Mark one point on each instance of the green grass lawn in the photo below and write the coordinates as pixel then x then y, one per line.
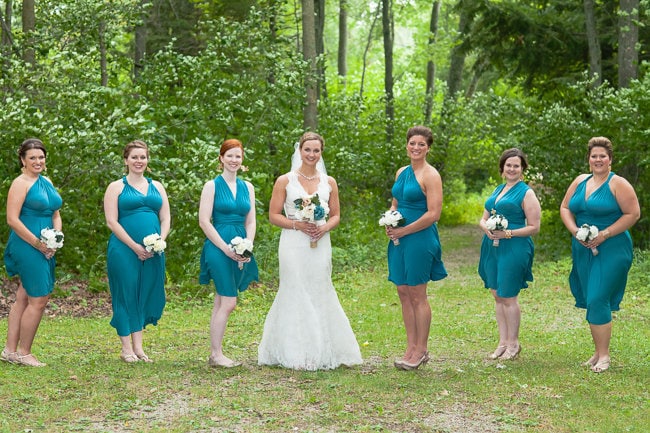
pixel 86 387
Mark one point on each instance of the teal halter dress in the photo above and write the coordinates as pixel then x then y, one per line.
pixel 35 271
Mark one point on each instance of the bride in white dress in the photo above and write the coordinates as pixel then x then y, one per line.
pixel 306 328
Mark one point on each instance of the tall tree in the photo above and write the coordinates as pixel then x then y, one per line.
pixel 367 49
pixel 7 37
pixel 431 64
pixel 310 111
pixel 457 55
pixel 140 37
pixel 595 55
pixel 388 32
pixel 319 9
pixel 103 55
pixel 628 37
pixel 29 25
pixel 342 54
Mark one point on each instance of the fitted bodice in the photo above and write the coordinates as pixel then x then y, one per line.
pixel 295 191
pixel 509 204
pixel 600 208
pixel 228 209
pixel 42 199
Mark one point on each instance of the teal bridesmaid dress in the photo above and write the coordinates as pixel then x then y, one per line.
pixel 228 217
pixel 418 257
pixel 598 281
pixel 508 267
pixel 35 271
pixel 137 287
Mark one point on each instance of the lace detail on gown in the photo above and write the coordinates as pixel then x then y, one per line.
pixel 306 327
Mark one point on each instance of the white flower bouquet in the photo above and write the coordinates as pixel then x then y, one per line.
pixel 496 222
pixel 242 247
pixel 52 238
pixel 587 233
pixel 392 218
pixel 154 243
pixel 310 209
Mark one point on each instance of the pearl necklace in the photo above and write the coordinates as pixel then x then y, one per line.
pixel 307 177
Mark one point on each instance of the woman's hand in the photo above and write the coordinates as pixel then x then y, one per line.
pixel 395 233
pixel 142 253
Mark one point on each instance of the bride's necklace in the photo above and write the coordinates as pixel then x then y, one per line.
pixel 307 177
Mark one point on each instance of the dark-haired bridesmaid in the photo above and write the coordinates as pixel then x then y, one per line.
pixel 32 205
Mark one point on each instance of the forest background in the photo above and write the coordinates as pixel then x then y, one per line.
pixel 88 76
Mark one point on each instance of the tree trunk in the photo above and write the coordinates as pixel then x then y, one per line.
pixel 457 57
pixel 431 64
pixel 388 32
pixel 367 49
pixel 628 37
pixel 310 112
pixel 140 37
pixel 29 25
pixel 7 37
pixel 342 58
pixel 321 88
pixel 595 55
pixel 102 53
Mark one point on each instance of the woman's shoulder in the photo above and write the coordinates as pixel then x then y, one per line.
pixel 283 179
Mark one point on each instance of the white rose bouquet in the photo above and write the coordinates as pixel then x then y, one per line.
pixel 154 243
pixel 310 209
pixel 242 247
pixel 392 218
pixel 496 222
pixel 52 238
pixel 587 233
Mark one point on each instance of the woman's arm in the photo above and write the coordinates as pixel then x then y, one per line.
pixel 568 219
pixel 164 214
pixel 629 204
pixel 276 205
pixel 205 218
pixel 15 200
pixel 251 221
pixel 111 214
pixel 533 212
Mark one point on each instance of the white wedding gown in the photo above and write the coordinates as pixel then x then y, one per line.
pixel 306 327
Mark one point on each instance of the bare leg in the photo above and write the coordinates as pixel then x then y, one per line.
pixel 512 314
pixel 422 309
pixel 14 319
pixel 408 316
pixel 29 322
pixel 502 326
pixel 223 306
pixel 127 353
pixel 601 334
pixel 136 340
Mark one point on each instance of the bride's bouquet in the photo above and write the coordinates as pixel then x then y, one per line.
pixel 52 238
pixel 310 209
pixel 154 243
pixel 242 247
pixel 587 233
pixel 392 218
pixel 496 222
